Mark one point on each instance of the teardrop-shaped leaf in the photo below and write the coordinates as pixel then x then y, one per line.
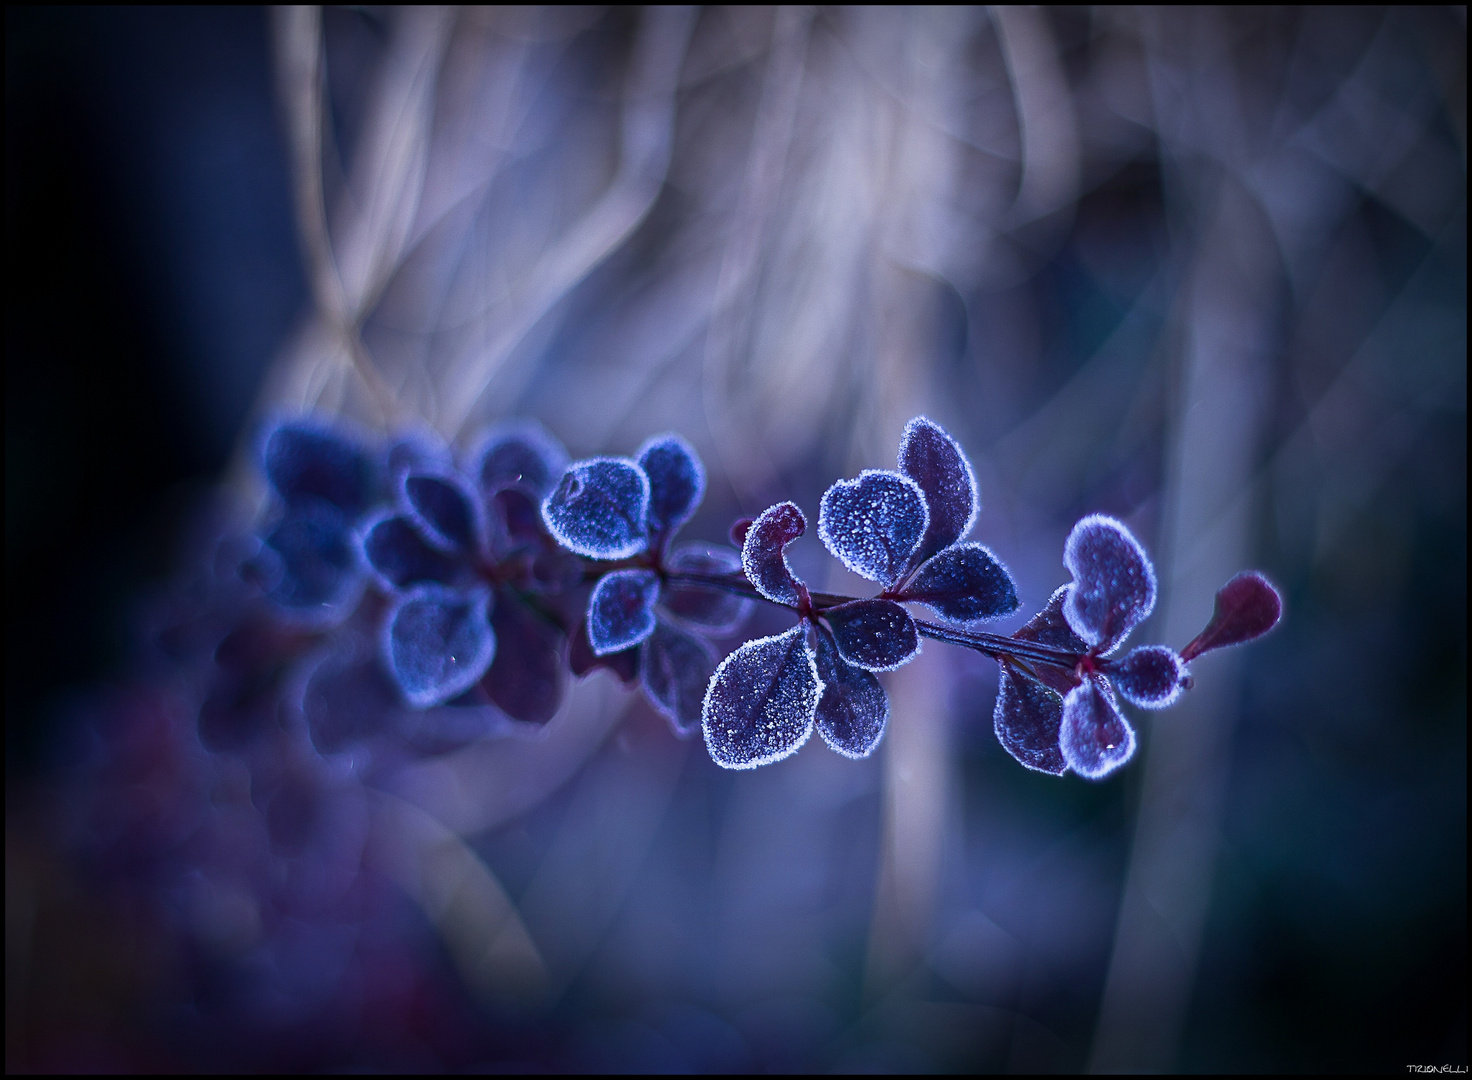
pixel 621 610
pixel 873 524
pixel 1247 607
pixel 878 635
pixel 525 679
pixel 442 509
pixel 307 460
pixel 1027 719
pixel 853 710
pixel 964 582
pixel 438 643
pixel 937 463
pixel 675 668
pixel 521 454
pixel 676 481
pixel 760 703
pixel 316 575
pixel 1113 581
pixel 401 558
pixel 600 508
pixel 581 659
pixel 763 555
pixel 1095 738
pixel 714 611
pixel 1150 676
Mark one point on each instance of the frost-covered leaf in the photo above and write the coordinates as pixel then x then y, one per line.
pixel 1246 608
pixel 1095 738
pixel 581 659
pixel 525 679
pixel 438 642
pixel 937 463
pixel 1113 581
pixel 442 509
pixel 676 668
pixel 304 460
pixel 714 611
pixel 676 481
pixel 520 453
pixel 401 557
pixel 964 582
pixel 1150 676
pixel 760 703
pixel 621 610
pixel 763 555
pixel 1049 627
pixel 600 508
pixel 1027 719
pixel 872 524
pixel 853 709
pixel 317 576
pixel 875 634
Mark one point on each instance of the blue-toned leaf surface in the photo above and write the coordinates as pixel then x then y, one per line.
pixel 525 679
pixel 515 521
pixel 763 557
pixel 714 611
pixel 875 634
pixel 1095 738
pixel 621 610
pixel 581 659
pixel 1113 581
pixel 348 701
pixel 442 509
pixel 520 453
pixel 760 703
pixel 418 451
pixel 246 684
pixel 600 508
pixel 1150 676
pixel 318 576
pixel 872 524
pixel 853 709
pixel 1246 608
pixel 937 463
pixel 402 558
pixel 965 583
pixel 1027 719
pixel 1049 627
pixel 438 643
pixel 306 461
pixel 676 481
pixel 676 668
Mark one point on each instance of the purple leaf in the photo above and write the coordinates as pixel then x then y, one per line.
pixel 875 634
pixel 738 531
pixel 438 643
pixel 1027 719
pixel 401 557
pixel 936 462
pixel 1150 676
pixel 1113 581
pixel 714 611
pixel 676 481
pixel 760 703
pixel 515 521
pixel 676 668
pixel 303 460
pixel 763 555
pixel 525 680
pixel 1247 607
pixel 853 709
pixel 348 700
pixel 872 524
pixel 581 658
pixel 964 582
pixel 1049 627
pixel 621 610
pixel 418 451
pixel 442 509
pixel 600 508
pixel 519 454
pixel 1095 738
pixel 317 575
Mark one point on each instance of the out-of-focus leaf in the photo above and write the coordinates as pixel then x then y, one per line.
pixel 937 463
pixel 763 555
pixel 873 523
pixel 520 453
pixel 438 642
pixel 713 610
pixel 525 679
pixel 402 558
pixel 875 634
pixel 318 577
pixel 515 521
pixel 1094 737
pixel 1150 676
pixel 1246 608
pixel 1113 581
pixel 965 583
pixel 1027 718
pixel 676 481
pixel 600 508
pixel 581 659
pixel 442 509
pixel 853 709
pixel 676 668
pixel 621 610
pixel 303 460
pixel 761 700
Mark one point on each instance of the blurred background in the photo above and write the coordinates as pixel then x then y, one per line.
pixel 1204 270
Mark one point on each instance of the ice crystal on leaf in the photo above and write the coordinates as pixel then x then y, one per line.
pixel 764 552
pixel 761 701
pixel 873 524
pixel 676 482
pixel 877 635
pixel 1113 581
pixel 621 610
pixel 853 709
pixel 937 464
pixel 439 642
pixel 1095 738
pixel 600 508
pixel 964 583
